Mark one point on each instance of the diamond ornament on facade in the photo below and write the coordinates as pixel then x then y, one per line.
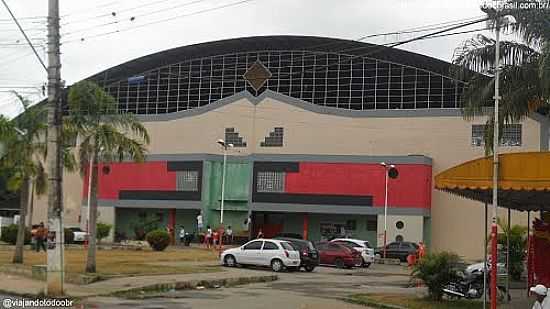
pixel 257 75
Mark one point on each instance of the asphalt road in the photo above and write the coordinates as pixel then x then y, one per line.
pixel 321 289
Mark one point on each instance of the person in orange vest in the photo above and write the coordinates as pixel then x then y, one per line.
pixel 421 250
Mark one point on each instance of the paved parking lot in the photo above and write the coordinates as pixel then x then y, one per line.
pixel 321 289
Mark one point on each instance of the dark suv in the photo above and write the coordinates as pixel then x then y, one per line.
pixel 398 250
pixel 309 256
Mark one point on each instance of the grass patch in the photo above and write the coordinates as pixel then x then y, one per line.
pixel 125 262
pixel 393 301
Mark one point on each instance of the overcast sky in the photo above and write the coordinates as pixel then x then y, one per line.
pixel 347 19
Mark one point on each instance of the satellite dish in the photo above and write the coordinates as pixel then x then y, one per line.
pixel 393 173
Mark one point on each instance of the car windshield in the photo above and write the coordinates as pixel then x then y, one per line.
pixel 287 246
pixel 367 244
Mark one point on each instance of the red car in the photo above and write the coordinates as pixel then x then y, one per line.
pixel 338 255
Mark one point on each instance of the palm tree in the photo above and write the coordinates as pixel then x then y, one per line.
pixel 23 142
pixel 525 67
pixel 104 134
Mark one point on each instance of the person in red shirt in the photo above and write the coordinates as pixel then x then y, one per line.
pixel 421 250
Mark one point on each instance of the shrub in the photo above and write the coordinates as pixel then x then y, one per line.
pixel 158 239
pixel 69 236
pixel 518 244
pixel 9 234
pixel 436 270
pixel 103 230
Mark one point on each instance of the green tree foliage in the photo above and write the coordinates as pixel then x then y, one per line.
pixel 518 244
pixel 436 270
pixel 525 68
pixel 9 234
pixel 103 230
pixel 158 239
pixel 105 135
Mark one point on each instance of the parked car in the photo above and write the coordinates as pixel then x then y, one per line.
pixel 274 253
pixel 338 255
pixel 79 234
pixel 398 250
pixel 309 256
pixel 289 235
pixel 363 246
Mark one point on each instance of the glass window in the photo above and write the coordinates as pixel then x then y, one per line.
pixel 393 245
pixel 334 247
pixel 367 244
pixel 287 246
pixel 399 225
pixel 511 135
pixel 267 181
pixel 268 245
pixel 255 245
pixel 188 180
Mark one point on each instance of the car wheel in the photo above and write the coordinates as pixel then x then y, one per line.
pixel 277 265
pixel 339 263
pixel 309 268
pixel 230 261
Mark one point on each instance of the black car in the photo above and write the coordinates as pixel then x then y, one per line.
pixel 398 250
pixel 309 256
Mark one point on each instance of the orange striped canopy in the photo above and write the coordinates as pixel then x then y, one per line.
pixel 524 180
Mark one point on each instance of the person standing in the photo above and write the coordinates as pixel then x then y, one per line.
pixel 182 234
pixel 229 233
pixel 260 234
pixel 199 221
pixel 40 237
pixel 541 292
pixel 421 250
pixel 208 236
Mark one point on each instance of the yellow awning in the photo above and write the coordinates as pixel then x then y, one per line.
pixel 524 180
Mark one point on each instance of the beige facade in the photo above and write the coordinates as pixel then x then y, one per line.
pixel 443 135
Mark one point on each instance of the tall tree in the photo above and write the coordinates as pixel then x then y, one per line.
pixel 525 66
pixel 104 135
pixel 23 140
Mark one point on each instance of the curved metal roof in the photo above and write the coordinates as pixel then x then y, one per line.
pixel 280 42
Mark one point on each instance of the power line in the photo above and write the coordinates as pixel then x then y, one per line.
pixel 135 17
pixel 162 20
pixel 25 35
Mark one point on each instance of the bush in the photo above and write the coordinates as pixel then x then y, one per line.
pixel 158 239
pixel 69 236
pixel 9 234
pixel 103 230
pixel 518 244
pixel 436 270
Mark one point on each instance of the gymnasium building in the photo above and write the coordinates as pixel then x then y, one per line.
pixel 310 119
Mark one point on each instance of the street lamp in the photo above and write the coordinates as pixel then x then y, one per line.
pixel 389 170
pixel 224 146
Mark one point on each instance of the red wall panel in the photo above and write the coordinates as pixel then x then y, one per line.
pixel 411 189
pixel 132 176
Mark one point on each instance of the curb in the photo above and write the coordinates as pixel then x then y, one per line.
pixel 192 284
pixel 373 304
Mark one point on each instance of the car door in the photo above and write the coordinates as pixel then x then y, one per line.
pixel 250 252
pixel 392 250
pixel 323 253
pixel 269 251
pixel 334 252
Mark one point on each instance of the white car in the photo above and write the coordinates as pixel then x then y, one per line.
pixel 363 246
pixel 79 235
pixel 277 254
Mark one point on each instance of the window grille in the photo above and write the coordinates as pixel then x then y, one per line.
pixel 270 182
pixel 511 135
pixel 188 181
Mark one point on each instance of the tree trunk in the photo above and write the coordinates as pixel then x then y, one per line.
pixel 92 228
pixel 31 206
pixel 23 204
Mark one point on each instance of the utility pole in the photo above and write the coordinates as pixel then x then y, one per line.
pixel 494 253
pixel 55 274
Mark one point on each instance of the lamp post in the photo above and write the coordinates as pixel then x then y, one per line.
pixel 387 168
pixel 224 146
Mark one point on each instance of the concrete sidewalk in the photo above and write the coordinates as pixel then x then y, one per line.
pixel 22 286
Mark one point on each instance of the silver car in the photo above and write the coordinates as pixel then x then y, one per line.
pixel 277 254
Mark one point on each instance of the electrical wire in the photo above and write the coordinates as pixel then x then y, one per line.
pixel 134 17
pixel 162 20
